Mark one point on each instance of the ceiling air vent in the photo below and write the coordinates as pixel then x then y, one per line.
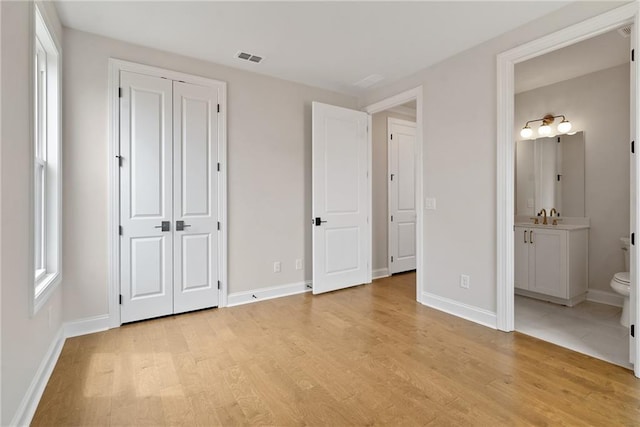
pixel 249 57
pixel 369 81
pixel 625 31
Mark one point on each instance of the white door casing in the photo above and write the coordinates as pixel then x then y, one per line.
pixel 195 188
pixel 340 187
pixel 402 182
pixel 615 18
pixel 633 204
pixel 146 185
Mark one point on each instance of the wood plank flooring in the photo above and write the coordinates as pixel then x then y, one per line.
pixel 362 356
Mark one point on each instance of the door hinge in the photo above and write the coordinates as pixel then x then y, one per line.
pixel 633 146
pixel 392 177
pixel 120 299
pixel 119 92
pixel 218 284
pixel 391 218
pixel 218 167
pixel 392 137
pixel 633 238
pixel 218 225
pixel 120 230
pixel 633 330
pixel 558 140
pixel 559 177
pixel 218 108
pixel 633 57
pixel 119 160
pixel 391 259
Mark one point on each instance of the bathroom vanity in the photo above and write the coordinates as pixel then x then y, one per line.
pixel 551 262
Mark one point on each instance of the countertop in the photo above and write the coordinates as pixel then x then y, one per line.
pixel 560 226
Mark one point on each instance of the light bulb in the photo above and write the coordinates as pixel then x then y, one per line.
pixel 544 130
pixel 526 132
pixel 564 126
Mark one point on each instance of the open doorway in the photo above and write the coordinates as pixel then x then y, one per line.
pixel 396 179
pixel 566 275
pixel 506 218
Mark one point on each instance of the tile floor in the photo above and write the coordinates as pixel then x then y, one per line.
pixel 590 328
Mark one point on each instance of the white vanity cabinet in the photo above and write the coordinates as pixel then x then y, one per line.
pixel 551 263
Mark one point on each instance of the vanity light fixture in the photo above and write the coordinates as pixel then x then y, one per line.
pixel 545 129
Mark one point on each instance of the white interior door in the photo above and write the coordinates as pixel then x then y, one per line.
pixel 146 274
pixel 402 206
pixel 195 157
pixel 168 197
pixel 341 201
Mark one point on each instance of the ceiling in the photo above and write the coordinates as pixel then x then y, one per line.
pixel 597 53
pixel 326 44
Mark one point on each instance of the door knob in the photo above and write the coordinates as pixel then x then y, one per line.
pixel 180 225
pixel 319 221
pixel 164 225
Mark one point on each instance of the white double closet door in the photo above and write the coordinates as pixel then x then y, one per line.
pixel 168 197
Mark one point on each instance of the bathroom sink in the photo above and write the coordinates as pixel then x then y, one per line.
pixel 560 226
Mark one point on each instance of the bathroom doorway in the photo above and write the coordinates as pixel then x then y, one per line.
pixel 579 180
pixel 508 131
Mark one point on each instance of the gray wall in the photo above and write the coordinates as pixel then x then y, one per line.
pixel 598 104
pixel 25 339
pixel 269 169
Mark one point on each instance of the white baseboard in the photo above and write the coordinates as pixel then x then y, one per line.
pixel 465 311
pixel 239 298
pixel 86 326
pixel 31 399
pixel 29 404
pixel 380 273
pixel 605 297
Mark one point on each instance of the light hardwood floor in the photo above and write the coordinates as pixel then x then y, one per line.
pixel 366 355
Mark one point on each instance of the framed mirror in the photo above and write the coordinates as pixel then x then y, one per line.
pixel 550 174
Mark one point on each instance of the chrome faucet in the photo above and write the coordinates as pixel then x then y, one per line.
pixel 544 211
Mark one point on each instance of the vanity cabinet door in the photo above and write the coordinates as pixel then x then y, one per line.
pixel 521 258
pixel 548 259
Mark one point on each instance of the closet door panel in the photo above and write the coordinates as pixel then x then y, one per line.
pixel 146 270
pixel 195 191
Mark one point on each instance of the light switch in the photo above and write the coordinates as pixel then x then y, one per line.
pixel 430 203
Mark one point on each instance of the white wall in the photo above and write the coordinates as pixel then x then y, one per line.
pixel 269 178
pixel 597 104
pixel 380 190
pixel 25 340
pixel 459 117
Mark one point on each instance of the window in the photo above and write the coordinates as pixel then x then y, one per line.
pixel 46 163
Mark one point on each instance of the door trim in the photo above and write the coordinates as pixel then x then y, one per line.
pixel 390 121
pixel 385 104
pixel 505 150
pixel 113 223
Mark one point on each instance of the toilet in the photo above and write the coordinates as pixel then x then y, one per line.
pixel 620 283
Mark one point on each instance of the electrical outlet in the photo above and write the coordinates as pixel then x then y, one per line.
pixel 298 264
pixel 464 281
pixel 430 203
pixel 277 267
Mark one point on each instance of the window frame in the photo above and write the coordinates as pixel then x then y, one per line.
pixel 46 187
